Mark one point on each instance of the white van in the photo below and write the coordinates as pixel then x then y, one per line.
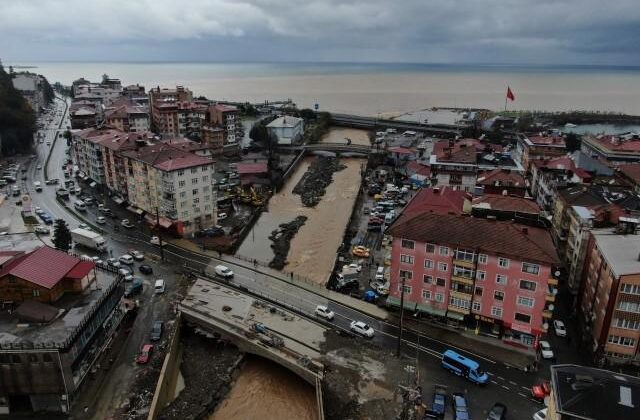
pixel 380 274
pixel 79 205
pixel 159 286
pixel 38 186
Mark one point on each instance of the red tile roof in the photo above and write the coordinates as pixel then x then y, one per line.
pixel 252 168
pixel 502 178
pixel 419 168
pixel 616 143
pixel 631 171
pixel 546 140
pixel 45 266
pixel 167 157
pixel 462 151
pixel 491 236
pixel 442 200
pixel 225 108
pixel 506 203
pixel 556 163
pixel 81 270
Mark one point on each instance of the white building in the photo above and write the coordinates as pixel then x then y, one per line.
pixel 287 129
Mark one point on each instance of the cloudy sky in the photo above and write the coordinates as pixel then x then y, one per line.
pixel 448 31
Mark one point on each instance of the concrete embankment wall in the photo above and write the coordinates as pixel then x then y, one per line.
pixel 169 373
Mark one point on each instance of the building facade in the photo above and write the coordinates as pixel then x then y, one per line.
pixel 227 117
pixel 287 129
pixel 615 149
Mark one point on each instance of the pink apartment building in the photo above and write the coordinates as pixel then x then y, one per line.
pixel 490 275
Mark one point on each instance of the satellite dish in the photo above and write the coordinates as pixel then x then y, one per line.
pixel 545 326
pixel 557 273
pixel 551 307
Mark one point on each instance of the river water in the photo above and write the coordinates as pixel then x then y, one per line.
pixel 267 391
pixel 313 249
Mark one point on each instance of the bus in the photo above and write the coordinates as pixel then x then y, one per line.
pixel 464 367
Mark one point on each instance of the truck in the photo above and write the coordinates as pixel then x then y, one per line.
pixel 88 239
pixel 37 185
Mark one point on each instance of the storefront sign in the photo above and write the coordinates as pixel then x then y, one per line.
pixel 521 328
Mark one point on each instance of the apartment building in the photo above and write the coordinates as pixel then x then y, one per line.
pixel 126 115
pixel 163 108
pixel 631 174
pixel 497 181
pixel 286 129
pixel 30 86
pixel 108 90
pixel 227 117
pixel 60 312
pixel 614 149
pixel 455 164
pixel 175 182
pixel 530 148
pixel 179 119
pixel 87 154
pixel 609 297
pixel 213 136
pixel 549 175
pixel 490 275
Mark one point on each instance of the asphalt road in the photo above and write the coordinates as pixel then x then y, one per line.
pixel 508 385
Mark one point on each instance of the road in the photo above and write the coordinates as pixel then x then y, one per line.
pixel 507 384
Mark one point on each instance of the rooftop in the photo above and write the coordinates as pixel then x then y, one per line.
pixel 620 251
pixel 540 140
pixel 492 236
pixel 616 143
pixel 459 151
pixel 166 157
pixel 285 121
pixel 225 108
pixel 442 200
pixel 502 178
pixel 631 171
pixel 252 168
pixel 506 203
pixel 47 266
pixel 594 394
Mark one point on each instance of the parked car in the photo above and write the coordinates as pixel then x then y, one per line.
pixel 324 312
pixel 439 401
pixel 353 266
pixel 145 269
pixel 113 262
pixel 134 288
pixel 126 223
pixel 540 415
pixel 155 240
pixel 137 255
pixel 361 328
pixel 43 230
pixel 222 216
pixel 460 406
pixel 223 271
pixel 124 271
pixel 559 328
pixel 145 354
pixel 360 251
pixel 545 350
pixel 101 220
pixel 497 412
pixel 126 259
pixel 541 390
pixel 156 330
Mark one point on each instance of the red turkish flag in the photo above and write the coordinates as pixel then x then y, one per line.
pixel 510 95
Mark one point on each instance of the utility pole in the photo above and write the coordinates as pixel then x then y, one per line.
pixel 401 315
pixel 159 234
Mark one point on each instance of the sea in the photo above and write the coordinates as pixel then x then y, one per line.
pixel 378 89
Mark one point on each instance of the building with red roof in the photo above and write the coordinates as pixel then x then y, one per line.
pixel 439 200
pixel 454 163
pixel 228 118
pixel 497 181
pixel 616 149
pixel 530 148
pixel 487 274
pixel 548 175
pixel 630 173
pixel 44 275
pixel 254 172
pixel 506 207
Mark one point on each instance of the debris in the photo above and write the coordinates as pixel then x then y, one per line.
pixel 315 181
pixel 281 239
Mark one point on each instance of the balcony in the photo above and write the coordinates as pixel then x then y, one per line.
pixel 460 295
pixel 168 187
pixel 546 314
pixel 552 282
pixel 464 263
pixel 550 297
pixel 168 206
pixel 459 309
pixel 463 280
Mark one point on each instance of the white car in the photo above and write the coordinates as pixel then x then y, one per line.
pixel 222 216
pixel 324 312
pixel 126 259
pixel 559 328
pixel 101 220
pixel 38 210
pixel 355 266
pixel 113 262
pixel 42 230
pixel 223 271
pixel 540 415
pixel 137 255
pixel 545 350
pixel 361 328
pixel 126 223
pixel 155 240
pixel 39 167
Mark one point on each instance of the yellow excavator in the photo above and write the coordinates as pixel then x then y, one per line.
pixel 256 200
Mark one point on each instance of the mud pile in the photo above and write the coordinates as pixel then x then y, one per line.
pixel 313 184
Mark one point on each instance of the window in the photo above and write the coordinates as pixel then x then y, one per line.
pixel 496 311
pixel 482 259
pixel 459 303
pixel 632 289
pixel 442 266
pixel 476 306
pixel 439 297
pixel 528 285
pixel 194 181
pixel 407 289
pixel 501 279
pixel 183 194
pixel 503 262
pixel 205 178
pixel 525 301
pixel 196 200
pixel 627 323
pixel 408 275
pixel 465 255
pixel 426 295
pixel 481 275
pixel 522 318
pixel 205 188
pixel 478 291
pixel 36 292
pixel 441 282
pixel 462 272
pixel 207 207
pixel 203 169
pixel 194 170
pixel 194 191
pixel 185 214
pixel 622 341
pixel 181 183
pixel 427 279
pixel 407 259
pixel 428 264
pixel 180 172
pixel 530 268
pixel 407 244
pixel 443 250
pixel 629 306
pixel 497 295
pixel 430 248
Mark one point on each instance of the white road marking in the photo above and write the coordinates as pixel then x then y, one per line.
pixel 494 382
pixel 500 377
pixel 522 395
pixel 513 383
pixel 524 387
pixel 505 387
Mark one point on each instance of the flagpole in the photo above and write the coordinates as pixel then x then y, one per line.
pixel 505 104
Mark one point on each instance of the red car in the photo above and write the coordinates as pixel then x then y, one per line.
pixel 145 354
pixel 541 390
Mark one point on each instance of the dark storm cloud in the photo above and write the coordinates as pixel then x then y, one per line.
pixel 580 31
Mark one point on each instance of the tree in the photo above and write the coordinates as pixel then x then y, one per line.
pixel 573 142
pixel 17 119
pixel 307 114
pixel 61 235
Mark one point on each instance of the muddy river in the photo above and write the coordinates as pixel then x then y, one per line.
pixel 267 391
pixel 313 249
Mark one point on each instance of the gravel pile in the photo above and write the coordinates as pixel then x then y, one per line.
pixel 312 186
pixel 281 239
